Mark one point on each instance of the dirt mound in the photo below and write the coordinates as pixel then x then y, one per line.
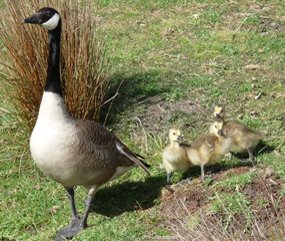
pixel 188 214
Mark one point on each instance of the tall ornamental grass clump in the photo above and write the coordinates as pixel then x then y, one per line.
pixel 24 56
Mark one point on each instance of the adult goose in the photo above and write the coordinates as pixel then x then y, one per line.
pixel 73 151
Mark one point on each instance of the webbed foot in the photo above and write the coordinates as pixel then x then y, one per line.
pixel 69 231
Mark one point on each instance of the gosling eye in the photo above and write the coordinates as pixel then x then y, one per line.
pixel 221 111
pixel 174 133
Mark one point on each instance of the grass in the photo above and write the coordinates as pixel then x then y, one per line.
pixel 162 53
pixel 233 181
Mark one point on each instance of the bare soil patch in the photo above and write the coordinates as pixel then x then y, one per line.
pixel 158 113
pixel 262 220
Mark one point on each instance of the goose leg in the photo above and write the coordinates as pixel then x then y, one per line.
pixel 70 195
pixel 88 202
pixel 77 225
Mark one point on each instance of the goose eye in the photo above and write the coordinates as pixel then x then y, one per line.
pixel 49 13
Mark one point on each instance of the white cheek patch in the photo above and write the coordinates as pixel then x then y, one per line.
pixel 52 23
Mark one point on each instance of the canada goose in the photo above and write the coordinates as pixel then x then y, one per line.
pixel 219 113
pixel 243 138
pixel 209 149
pixel 73 151
pixel 174 156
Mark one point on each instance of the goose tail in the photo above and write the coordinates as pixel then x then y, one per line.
pixel 133 157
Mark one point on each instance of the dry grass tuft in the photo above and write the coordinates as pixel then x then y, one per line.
pixel 25 51
pixel 227 225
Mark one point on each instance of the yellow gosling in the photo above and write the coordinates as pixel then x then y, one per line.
pixel 243 138
pixel 209 149
pixel 174 156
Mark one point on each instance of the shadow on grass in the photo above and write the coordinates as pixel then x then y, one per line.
pixel 195 172
pixel 128 196
pixel 263 148
pixel 131 89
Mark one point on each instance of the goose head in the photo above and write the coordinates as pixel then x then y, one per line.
pixel 219 112
pixel 175 135
pixel 46 17
pixel 218 128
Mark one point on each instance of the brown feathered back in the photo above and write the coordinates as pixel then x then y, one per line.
pixel 105 146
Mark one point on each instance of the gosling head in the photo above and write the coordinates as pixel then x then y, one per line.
pixel 46 17
pixel 175 135
pixel 219 112
pixel 218 128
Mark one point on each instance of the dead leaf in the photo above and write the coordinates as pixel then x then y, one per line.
pixel 253 67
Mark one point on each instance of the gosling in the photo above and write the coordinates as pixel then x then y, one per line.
pixel 209 149
pixel 243 138
pixel 174 156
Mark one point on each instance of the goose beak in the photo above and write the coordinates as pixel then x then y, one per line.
pixel 35 19
pixel 179 138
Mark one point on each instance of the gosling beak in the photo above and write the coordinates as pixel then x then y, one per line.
pixel 220 132
pixel 218 116
pixel 34 19
pixel 179 138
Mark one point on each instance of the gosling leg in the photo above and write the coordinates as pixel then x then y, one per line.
pixel 202 173
pixel 231 156
pixel 250 153
pixel 169 173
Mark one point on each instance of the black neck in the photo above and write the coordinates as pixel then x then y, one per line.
pixel 53 83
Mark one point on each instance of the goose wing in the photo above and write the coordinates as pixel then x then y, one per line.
pixel 206 140
pixel 104 143
pixel 210 140
pixel 232 127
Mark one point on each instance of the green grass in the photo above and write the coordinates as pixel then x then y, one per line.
pixel 233 181
pixel 230 203
pixel 174 51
